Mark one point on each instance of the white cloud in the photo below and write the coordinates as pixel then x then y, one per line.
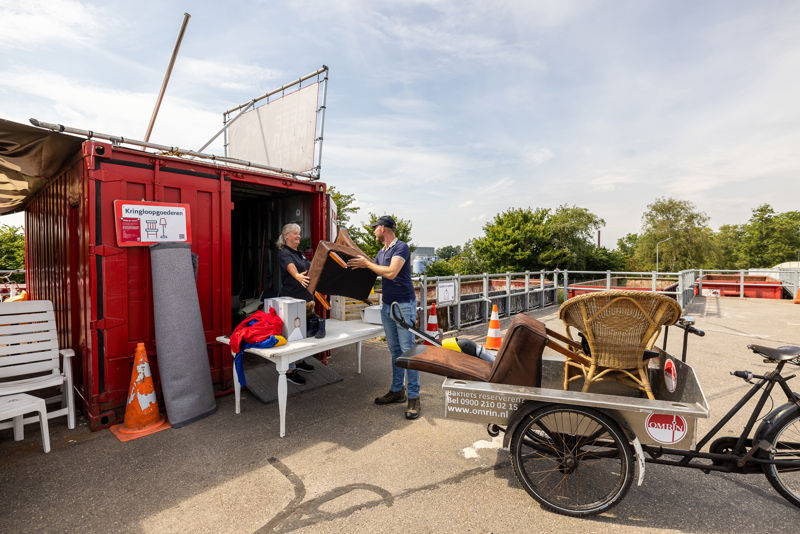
pixel 408 105
pixel 111 111
pixel 228 75
pixel 609 182
pixel 39 23
pixel 535 155
pixel 503 186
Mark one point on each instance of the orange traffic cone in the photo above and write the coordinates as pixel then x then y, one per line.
pixel 493 337
pixel 141 413
pixel 433 325
pixel 797 297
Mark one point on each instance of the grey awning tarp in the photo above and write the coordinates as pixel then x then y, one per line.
pixel 28 156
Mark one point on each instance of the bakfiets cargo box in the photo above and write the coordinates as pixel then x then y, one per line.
pixel 102 292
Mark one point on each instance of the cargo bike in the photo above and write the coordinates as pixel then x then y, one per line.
pixel 578 437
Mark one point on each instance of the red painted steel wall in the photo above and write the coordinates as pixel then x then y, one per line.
pixel 757 287
pixel 102 293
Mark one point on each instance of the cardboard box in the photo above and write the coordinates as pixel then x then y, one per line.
pixel 293 314
pixel 347 309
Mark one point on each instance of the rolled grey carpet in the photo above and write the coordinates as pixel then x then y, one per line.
pixel 180 340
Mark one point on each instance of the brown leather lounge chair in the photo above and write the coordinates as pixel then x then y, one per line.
pixel 518 363
pixel 330 275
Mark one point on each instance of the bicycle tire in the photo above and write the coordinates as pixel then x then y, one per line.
pixel 573 460
pixel 784 438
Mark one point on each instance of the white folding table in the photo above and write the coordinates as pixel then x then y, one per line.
pixel 338 334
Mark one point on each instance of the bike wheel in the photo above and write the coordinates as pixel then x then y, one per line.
pixel 573 460
pixel 785 441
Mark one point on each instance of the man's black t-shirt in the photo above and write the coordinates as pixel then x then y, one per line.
pixel 289 286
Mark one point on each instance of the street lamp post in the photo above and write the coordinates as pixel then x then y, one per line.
pixel 657 244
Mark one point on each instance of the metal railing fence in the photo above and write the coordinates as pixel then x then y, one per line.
pixel 475 295
pixel 525 291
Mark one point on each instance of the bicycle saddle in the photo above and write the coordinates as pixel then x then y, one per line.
pixel 787 352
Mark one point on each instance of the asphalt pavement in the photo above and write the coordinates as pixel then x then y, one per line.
pixel 347 465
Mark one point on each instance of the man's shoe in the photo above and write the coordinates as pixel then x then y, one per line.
pixel 414 409
pixel 295 378
pixel 392 397
pixel 303 366
pixel 321 329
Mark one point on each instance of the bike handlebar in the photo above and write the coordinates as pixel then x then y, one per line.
pixel 746 375
pixel 695 331
pixel 692 330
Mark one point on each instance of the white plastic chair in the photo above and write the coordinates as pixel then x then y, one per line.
pixel 30 359
pixel 16 406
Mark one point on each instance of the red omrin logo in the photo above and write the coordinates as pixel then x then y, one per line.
pixel 670 376
pixel 665 428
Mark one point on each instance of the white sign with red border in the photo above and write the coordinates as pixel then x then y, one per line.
pixel 148 223
pixel 670 376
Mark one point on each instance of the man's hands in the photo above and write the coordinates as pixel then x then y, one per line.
pixel 389 272
pixel 358 262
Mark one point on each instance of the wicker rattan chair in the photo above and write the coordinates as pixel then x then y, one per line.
pixel 619 326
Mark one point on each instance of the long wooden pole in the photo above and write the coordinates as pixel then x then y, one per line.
pixel 186 17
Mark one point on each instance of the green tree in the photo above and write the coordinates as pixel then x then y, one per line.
pixel 727 245
pixel 344 207
pixel 627 244
pixel 526 239
pixel 364 237
pixel 627 247
pixel 514 240
pixel 572 230
pixel 602 259
pixel 12 250
pixel 681 232
pixel 440 268
pixel 467 261
pixel 769 238
pixel 448 251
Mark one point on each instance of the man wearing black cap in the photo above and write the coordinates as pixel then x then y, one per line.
pixel 393 264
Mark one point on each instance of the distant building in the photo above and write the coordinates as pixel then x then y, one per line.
pixel 421 258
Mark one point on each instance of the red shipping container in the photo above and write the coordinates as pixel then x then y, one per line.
pixel 102 293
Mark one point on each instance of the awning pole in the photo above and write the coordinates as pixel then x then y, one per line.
pixel 171 150
pixel 227 124
pixel 167 75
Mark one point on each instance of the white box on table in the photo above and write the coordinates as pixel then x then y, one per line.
pixel 372 314
pixel 292 312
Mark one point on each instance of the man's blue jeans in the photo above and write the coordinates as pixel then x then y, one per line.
pixel 400 340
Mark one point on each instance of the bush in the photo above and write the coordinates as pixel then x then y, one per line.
pixel 440 268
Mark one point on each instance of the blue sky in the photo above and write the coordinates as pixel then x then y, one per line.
pixel 446 113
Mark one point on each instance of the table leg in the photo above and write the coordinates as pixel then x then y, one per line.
pixel 358 350
pixel 282 400
pixel 237 391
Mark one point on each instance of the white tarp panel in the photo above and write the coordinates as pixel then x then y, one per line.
pixel 280 133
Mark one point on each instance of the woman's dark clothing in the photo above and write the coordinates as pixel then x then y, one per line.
pixel 290 287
